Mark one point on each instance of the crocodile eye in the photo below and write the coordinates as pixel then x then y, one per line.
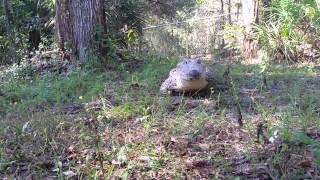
pixel 186 62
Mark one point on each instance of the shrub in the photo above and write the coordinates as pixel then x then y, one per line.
pixel 290 28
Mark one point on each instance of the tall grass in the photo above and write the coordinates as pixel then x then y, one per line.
pixel 289 28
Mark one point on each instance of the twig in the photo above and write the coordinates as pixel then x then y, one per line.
pixel 261 132
pixel 239 115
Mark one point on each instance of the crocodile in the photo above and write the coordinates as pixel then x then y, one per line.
pixel 190 75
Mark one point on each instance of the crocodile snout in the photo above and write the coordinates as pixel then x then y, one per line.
pixel 194 74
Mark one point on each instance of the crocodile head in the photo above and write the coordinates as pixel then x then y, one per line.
pixel 191 69
pixel 190 74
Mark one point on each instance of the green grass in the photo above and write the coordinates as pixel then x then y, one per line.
pixel 140 135
pixel 52 89
pixel 57 89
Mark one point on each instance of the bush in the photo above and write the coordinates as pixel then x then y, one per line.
pixel 290 28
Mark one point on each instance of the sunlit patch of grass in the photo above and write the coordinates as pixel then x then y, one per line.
pixel 52 89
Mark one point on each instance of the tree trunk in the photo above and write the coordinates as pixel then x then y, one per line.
pixel 7 10
pixel 76 24
pixel 222 23
pixel 61 27
pixel 222 7
pixel 229 12
pixel 248 13
pixel 238 5
pixel 257 11
pixel 34 39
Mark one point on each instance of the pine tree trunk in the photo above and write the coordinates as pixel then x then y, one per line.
pixel 87 15
pixel 76 24
pixel 250 15
pixel 222 23
pixel 229 12
pixel 63 24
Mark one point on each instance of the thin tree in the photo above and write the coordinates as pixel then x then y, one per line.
pixel 250 14
pixel 8 13
pixel 223 21
pixel 229 12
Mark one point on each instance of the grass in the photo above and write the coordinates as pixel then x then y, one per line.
pixel 53 89
pixel 143 137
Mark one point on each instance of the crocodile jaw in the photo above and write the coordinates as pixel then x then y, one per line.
pixel 191 85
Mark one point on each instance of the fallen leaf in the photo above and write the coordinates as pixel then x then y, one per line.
pixel 144 158
pixel 135 85
pixel 70 149
pixel 193 164
pixel 305 164
pixel 69 174
pixel 248 91
pixel 204 146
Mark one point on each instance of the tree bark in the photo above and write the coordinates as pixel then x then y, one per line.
pixel 229 12
pixel 257 11
pixel 222 23
pixel 7 10
pixel 76 24
pixel 63 24
pixel 250 15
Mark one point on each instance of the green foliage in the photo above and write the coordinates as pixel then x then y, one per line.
pixel 231 36
pixel 201 1
pixel 288 26
pixel 303 138
pixel 132 36
pixel 126 18
pixel 129 17
pixel 25 16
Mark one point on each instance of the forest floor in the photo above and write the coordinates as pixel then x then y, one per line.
pixel 72 123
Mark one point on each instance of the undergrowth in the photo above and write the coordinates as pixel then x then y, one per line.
pixel 289 28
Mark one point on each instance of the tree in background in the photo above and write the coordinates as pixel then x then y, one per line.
pixel 24 25
pixel 79 26
pixel 8 13
pixel 76 23
pixel 130 16
pixel 250 12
